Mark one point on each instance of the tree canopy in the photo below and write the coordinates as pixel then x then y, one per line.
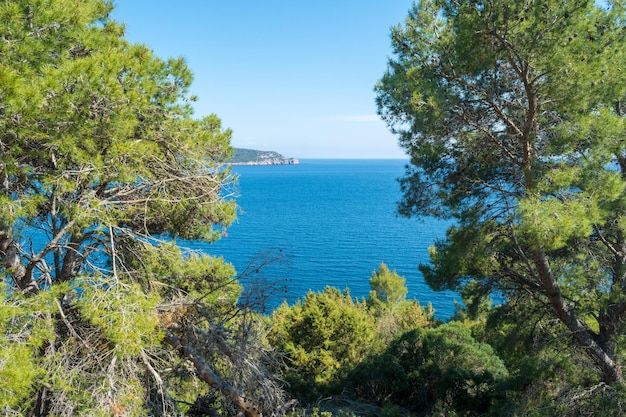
pixel 102 168
pixel 438 371
pixel 513 116
pixel 325 334
pixel 388 288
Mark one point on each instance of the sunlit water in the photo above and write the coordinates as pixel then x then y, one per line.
pixel 334 221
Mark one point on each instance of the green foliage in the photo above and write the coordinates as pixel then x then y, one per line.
pixel 26 327
pixel 513 116
pixel 328 334
pixel 554 215
pixel 191 275
pixel 548 373
pixel 325 335
pixel 425 369
pixel 101 129
pixel 407 316
pixel 393 313
pixel 20 372
pixel 103 170
pixel 126 315
pixel 317 412
pixel 388 288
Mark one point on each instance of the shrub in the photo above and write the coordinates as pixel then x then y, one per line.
pixel 325 335
pixel 443 368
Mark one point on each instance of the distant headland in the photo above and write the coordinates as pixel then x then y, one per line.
pixel 255 157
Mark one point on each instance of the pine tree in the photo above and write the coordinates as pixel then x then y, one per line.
pixel 102 168
pixel 513 116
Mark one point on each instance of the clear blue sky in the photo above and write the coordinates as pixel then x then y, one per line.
pixel 292 76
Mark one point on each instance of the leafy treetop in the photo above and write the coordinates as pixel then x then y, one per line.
pixel 513 116
pixel 101 163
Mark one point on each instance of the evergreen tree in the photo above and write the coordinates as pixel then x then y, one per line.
pixel 101 161
pixel 513 116
pixel 387 301
pixel 324 335
pixel 432 371
pixel 388 288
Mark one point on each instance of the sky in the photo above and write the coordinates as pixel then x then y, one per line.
pixel 290 76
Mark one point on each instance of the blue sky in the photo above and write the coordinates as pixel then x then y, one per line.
pixel 285 75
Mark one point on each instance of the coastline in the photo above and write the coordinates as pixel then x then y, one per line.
pixel 269 161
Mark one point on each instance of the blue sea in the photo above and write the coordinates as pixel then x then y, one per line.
pixel 329 223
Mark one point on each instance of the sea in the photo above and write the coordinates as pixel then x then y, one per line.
pixel 326 222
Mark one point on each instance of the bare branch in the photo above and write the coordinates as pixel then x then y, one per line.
pixel 206 374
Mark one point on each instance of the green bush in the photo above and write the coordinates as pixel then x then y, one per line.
pixel 325 335
pixel 443 368
pixel 387 301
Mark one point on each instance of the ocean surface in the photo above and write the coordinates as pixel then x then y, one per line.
pixel 329 223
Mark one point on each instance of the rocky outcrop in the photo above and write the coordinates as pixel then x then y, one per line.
pixel 254 157
pixel 270 161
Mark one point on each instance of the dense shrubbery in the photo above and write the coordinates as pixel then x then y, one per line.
pixel 384 350
pixel 326 335
pixel 426 369
pixel 506 360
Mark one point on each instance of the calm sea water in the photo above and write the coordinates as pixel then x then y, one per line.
pixel 332 222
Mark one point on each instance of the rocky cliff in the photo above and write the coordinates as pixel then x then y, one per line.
pixel 255 157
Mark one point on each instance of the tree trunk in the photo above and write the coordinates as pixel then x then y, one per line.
pixel 9 253
pixel 586 338
pixel 206 374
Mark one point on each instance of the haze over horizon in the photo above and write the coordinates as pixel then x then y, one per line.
pixel 292 77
